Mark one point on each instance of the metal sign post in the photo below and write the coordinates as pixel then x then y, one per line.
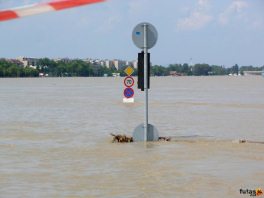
pixel 145 37
pixel 146 80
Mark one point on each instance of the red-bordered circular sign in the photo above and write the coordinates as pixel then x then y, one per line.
pixel 129 81
pixel 129 92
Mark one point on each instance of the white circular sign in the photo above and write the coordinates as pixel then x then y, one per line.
pixel 129 81
pixel 138 35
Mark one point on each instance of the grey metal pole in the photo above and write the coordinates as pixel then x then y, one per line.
pixel 146 81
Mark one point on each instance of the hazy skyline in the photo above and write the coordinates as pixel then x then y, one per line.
pixel 223 32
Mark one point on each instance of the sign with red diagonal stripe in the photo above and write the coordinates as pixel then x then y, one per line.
pixel 42 8
pixel 128 92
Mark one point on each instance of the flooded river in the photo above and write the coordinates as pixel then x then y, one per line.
pixel 55 142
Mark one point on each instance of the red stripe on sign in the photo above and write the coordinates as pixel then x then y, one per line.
pixel 63 4
pixel 7 15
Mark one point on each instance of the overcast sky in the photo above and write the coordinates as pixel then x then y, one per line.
pixel 222 32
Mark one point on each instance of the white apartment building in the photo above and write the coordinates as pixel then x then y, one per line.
pixel 119 64
pixel 135 64
pixel 109 63
pixel 28 62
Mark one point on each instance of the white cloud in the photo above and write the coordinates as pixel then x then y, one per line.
pixel 136 7
pixel 198 18
pixel 258 24
pixel 234 8
pixel 203 3
pixel 109 24
pixel 110 19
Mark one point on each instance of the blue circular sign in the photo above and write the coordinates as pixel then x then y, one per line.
pixel 129 92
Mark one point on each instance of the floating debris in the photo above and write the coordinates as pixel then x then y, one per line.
pixel 247 141
pixel 166 139
pixel 128 139
pixel 121 138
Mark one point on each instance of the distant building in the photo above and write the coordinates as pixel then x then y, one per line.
pixel 116 74
pixel 15 61
pixel 135 64
pixel 102 63
pixel 174 73
pixel 119 64
pixel 28 62
pixel 64 60
pixel 116 63
pixel 109 64
pixel 132 64
pixel 250 73
pixel 87 60
pixel 97 62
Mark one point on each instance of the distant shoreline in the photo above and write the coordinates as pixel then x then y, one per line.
pixel 28 67
pixel 109 77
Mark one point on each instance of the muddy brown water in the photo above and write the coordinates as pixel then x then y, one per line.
pixel 55 142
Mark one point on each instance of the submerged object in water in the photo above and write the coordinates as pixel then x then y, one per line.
pixel 121 138
pixel 128 139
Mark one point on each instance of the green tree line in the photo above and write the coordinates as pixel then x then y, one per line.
pixel 72 68
pixel 201 69
pixel 15 69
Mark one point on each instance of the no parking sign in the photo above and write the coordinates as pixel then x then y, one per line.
pixel 129 92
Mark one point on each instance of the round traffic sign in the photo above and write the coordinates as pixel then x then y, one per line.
pixel 129 81
pixel 128 92
pixel 138 35
pixel 139 133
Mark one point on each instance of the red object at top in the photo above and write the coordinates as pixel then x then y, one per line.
pixel 7 15
pixel 63 4
pixel 42 8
